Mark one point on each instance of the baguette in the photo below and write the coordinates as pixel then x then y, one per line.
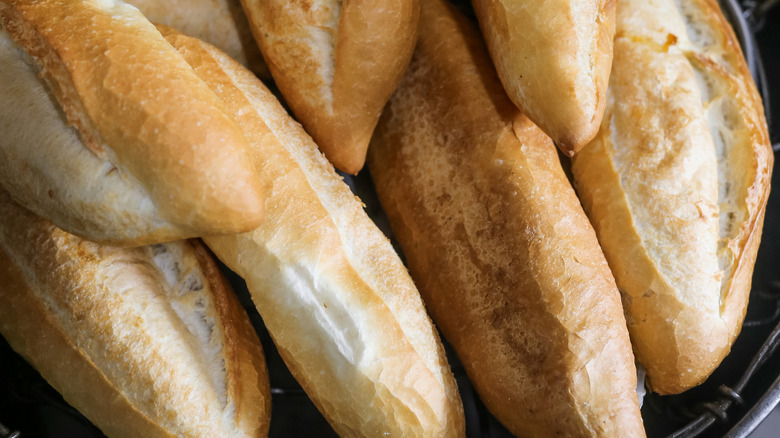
pixel 219 22
pixel 344 314
pixel 554 59
pixel 144 342
pixel 336 64
pixel 45 165
pixel 138 108
pixel 676 185
pixel 496 240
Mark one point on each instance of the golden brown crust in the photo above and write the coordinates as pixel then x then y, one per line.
pixel 494 236
pixel 46 168
pixel 554 61
pixel 136 339
pixel 335 298
pixel 676 184
pixel 69 372
pixel 336 63
pixel 138 104
pixel 219 22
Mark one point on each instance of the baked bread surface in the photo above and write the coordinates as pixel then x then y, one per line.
pixel 498 244
pixel 136 103
pixel 336 64
pixel 338 303
pixel 219 22
pixel 554 59
pixel 676 184
pixel 45 166
pixel 144 342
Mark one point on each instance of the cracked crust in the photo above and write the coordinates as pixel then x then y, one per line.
pixel 336 299
pixel 144 342
pixel 137 104
pixel 62 179
pixel 676 184
pixel 554 61
pixel 499 246
pixel 336 63
pixel 219 22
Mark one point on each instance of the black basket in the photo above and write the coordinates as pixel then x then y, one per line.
pixel 732 402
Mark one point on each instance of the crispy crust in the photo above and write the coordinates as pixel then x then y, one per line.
pixel 219 22
pixel 697 143
pixel 336 63
pixel 100 324
pixel 49 171
pixel 247 376
pixel 554 61
pixel 336 299
pixel 70 372
pixel 136 103
pixel 494 236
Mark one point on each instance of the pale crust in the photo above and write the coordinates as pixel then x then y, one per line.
pixel 494 236
pixel 336 63
pixel 111 332
pixel 136 103
pixel 676 184
pixel 247 375
pixel 333 294
pixel 219 22
pixel 554 61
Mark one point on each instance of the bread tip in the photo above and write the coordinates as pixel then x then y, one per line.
pixel 576 141
pixel 566 148
pixel 347 162
pixel 223 218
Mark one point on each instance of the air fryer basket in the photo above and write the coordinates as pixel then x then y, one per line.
pixel 733 401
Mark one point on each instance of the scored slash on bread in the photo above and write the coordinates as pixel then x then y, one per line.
pixel 143 341
pixel 554 59
pixel 138 106
pixel 336 64
pixel 676 184
pixel 498 244
pixel 45 166
pixel 334 296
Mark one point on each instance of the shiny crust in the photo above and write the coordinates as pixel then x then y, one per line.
pixel 110 331
pixel 333 294
pixel 139 105
pixel 554 61
pixel 676 184
pixel 336 63
pixel 498 244
pixel 219 22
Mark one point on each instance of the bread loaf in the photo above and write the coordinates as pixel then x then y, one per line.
pixel 337 301
pixel 45 165
pixel 336 64
pixel 496 240
pixel 219 22
pixel 138 106
pixel 676 184
pixel 553 58
pixel 144 342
